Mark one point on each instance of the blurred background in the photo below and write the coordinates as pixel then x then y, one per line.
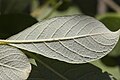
pixel 16 15
pixel 24 13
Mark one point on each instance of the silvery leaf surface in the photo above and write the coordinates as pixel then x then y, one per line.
pixel 14 65
pixel 73 39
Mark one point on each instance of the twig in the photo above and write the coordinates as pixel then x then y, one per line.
pixel 54 8
pixel 102 7
pixel 113 5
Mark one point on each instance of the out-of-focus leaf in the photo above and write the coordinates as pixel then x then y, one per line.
pixel 110 61
pixel 65 5
pixel 112 70
pixel 46 10
pixel 111 20
pixel 112 77
pixel 34 4
pixel 14 6
pixel 70 11
pixel 11 24
pixel 64 71
pixel 88 7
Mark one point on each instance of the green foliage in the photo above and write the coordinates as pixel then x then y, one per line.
pixel 11 24
pixel 56 74
pixel 55 70
pixel 14 6
pixel 15 16
pixel 112 22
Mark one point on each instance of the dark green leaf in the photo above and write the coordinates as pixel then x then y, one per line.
pixel 111 20
pixel 49 69
pixel 14 6
pixel 13 23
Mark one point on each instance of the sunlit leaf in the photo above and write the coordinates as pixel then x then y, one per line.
pixel 112 22
pixel 73 39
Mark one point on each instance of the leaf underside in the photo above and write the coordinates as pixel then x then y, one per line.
pixel 73 39
pixel 14 65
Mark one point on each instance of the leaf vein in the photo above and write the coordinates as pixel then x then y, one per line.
pixel 62 25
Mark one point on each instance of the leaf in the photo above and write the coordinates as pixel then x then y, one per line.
pixel 112 22
pixel 86 6
pixel 111 62
pixel 112 70
pixel 65 71
pixel 73 39
pixel 112 77
pixel 14 65
pixel 14 6
pixel 32 61
pixel 72 10
pixel 11 24
pixel 46 10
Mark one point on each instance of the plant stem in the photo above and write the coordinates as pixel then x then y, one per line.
pixel 113 5
pixel 102 7
pixel 47 66
pixel 54 8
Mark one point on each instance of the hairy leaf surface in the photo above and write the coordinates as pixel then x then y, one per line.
pixel 14 65
pixel 73 39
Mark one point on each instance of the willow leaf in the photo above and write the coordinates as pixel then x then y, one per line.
pixel 14 65
pixel 73 39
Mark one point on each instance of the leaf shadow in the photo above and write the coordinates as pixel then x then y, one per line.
pixel 111 61
pixel 11 24
pixel 85 71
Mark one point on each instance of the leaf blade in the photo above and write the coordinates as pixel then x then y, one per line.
pixel 14 65
pixel 73 39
